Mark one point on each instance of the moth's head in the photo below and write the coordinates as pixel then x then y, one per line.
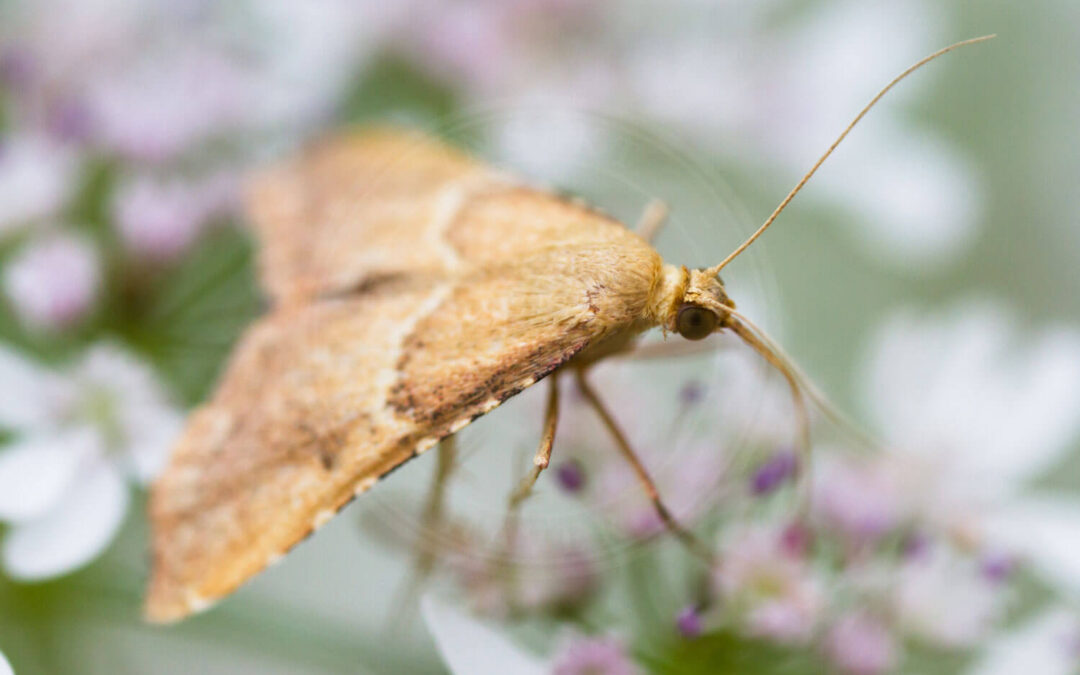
pixel 698 305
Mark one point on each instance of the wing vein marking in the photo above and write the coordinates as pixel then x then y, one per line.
pixel 450 202
pixel 388 377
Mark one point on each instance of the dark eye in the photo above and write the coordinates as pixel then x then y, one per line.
pixel 694 322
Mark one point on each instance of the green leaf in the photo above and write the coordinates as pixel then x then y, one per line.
pixel 726 653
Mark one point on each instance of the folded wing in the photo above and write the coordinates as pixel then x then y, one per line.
pixel 368 361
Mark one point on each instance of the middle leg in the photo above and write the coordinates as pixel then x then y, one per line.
pixel 692 543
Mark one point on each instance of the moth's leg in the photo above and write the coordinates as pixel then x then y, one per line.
pixel 652 220
pixel 432 517
pixel 431 525
pixel 692 543
pixel 543 451
pixel 524 488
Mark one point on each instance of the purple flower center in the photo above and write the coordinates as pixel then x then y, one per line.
pixel 69 121
pixel 571 476
pixel 796 539
pixel 691 393
pixel 998 567
pixel 689 623
pixel 773 473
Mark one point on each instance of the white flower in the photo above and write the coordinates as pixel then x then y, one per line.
pixel 469 647
pixel 1044 529
pixel 5 667
pixel 696 81
pixel 821 71
pixel 913 199
pixel 973 415
pixel 547 139
pixel 958 393
pixel 1046 645
pixel 53 281
pixel 944 599
pixel 81 435
pixel 783 90
pixel 36 178
pixel 307 53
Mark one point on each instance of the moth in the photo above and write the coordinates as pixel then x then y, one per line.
pixel 414 289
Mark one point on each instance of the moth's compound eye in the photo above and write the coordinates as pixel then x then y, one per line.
pixel 694 322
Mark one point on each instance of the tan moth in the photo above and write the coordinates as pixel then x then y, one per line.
pixel 414 290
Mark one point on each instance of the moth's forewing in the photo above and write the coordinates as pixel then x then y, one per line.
pixel 356 207
pixel 327 394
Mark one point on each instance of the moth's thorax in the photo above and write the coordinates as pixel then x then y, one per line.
pixel 678 286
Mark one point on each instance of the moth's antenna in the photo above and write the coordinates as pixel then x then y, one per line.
pixel 862 113
pixel 750 337
pixel 795 375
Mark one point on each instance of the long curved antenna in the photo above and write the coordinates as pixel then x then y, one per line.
pixel 858 118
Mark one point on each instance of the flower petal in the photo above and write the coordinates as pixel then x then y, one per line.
pixel 30 395
pixel 955 389
pixel 5 667
pixel 150 430
pixel 35 472
pixel 1046 531
pixel 1044 645
pixel 469 647
pixel 72 534
pixel 52 282
pixel 36 177
pixel 148 422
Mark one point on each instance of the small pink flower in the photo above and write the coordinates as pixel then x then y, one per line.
pixel 466 42
pixel 860 644
pixel 158 220
pixel 771 586
pixel 946 600
pixel 857 498
pixel 52 282
pixel 160 106
pixel 594 656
